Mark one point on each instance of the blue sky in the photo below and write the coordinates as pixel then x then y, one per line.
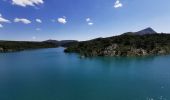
pixel 80 19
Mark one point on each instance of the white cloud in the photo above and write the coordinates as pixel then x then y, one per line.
pixel 90 23
pixel 118 4
pixel 88 19
pixel 1 26
pixel 22 20
pixel 62 20
pixel 38 20
pixel 25 3
pixel 3 20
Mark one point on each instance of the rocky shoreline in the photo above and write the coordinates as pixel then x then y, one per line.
pixel 124 45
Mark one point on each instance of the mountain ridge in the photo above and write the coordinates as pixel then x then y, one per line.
pixel 145 31
pixel 148 30
pixel 142 43
pixel 63 43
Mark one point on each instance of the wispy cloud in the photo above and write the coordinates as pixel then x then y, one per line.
pixel 38 29
pixel 118 4
pixel 38 20
pixel 88 19
pixel 25 3
pixel 90 23
pixel 3 20
pixel 1 26
pixel 62 20
pixel 22 20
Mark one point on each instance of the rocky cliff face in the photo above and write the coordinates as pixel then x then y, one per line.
pixel 117 50
pixel 114 50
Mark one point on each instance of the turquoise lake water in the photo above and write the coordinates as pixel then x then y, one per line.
pixel 50 74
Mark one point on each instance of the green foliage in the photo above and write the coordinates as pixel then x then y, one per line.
pixel 148 42
pixel 10 46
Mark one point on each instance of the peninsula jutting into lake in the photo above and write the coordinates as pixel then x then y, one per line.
pixel 141 43
pixel 14 46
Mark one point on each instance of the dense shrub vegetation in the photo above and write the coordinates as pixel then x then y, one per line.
pixel 10 46
pixel 124 45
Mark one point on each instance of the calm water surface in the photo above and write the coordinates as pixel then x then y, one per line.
pixel 50 74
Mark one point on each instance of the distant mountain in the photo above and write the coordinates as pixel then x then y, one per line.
pixel 146 31
pixel 142 32
pixel 66 41
pixel 52 41
pixel 142 43
pixel 63 43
